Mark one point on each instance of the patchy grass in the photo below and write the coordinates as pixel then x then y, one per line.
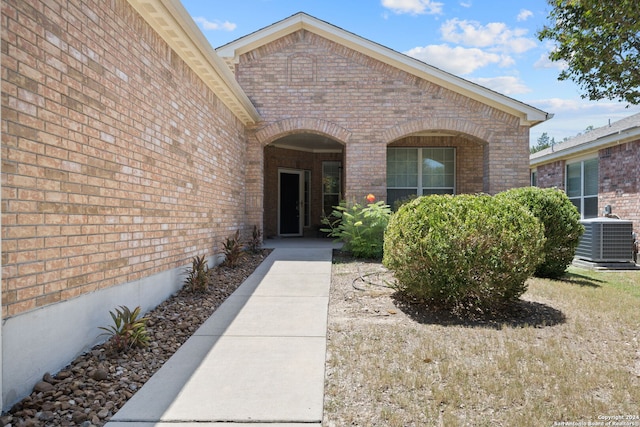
pixel 569 352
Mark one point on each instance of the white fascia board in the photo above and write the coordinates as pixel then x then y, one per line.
pixel 176 27
pixel 529 115
pixel 610 140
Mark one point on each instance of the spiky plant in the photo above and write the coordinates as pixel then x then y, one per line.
pixel 129 330
pixel 232 250
pixel 198 275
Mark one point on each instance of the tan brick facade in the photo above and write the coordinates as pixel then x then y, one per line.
pixel 619 171
pixel 305 78
pixel 128 148
pixel 117 161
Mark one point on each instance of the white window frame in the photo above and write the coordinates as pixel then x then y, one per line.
pixel 420 189
pixel 579 200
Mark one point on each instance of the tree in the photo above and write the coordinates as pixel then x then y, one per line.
pixel 543 142
pixel 600 41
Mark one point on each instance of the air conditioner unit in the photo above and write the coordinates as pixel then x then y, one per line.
pixel 606 240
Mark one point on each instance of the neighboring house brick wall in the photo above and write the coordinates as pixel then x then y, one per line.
pixel 619 173
pixel 303 75
pixel 551 175
pixel 619 180
pixel 117 161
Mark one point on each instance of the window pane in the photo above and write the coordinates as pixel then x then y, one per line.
pixel 574 180
pixel 331 177
pixel 591 177
pixel 394 195
pixel 576 203
pixel 429 191
pixel 402 167
pixel 590 207
pixel 438 169
pixel 329 202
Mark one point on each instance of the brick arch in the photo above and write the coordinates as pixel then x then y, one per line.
pixel 466 127
pixel 273 131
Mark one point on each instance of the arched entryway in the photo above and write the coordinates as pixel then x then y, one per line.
pixel 303 180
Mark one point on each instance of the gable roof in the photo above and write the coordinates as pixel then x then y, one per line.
pixel 528 115
pixel 625 130
pixel 173 23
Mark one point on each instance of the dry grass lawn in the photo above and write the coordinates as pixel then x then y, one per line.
pixel 569 352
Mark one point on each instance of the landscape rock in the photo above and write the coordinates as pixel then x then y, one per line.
pixel 95 385
pixel 43 387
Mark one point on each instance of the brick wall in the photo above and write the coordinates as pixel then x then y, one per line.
pixel 551 175
pixel 619 175
pixel 305 76
pixel 619 172
pixel 117 161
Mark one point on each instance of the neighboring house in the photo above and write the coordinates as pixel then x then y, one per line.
pixel 598 169
pixel 130 146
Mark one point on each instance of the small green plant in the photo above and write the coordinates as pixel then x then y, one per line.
pixel 198 275
pixel 232 250
pixel 463 253
pixel 129 330
pixel 256 240
pixel 361 229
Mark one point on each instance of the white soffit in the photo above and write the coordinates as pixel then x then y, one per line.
pixel 529 116
pixel 173 23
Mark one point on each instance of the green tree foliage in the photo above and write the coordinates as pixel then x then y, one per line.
pixel 600 41
pixel 543 142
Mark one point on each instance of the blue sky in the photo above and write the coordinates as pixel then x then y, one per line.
pixel 490 42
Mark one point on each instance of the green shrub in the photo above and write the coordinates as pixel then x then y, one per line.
pixel 128 329
pixel 361 229
pixel 398 203
pixel 463 252
pixel 198 275
pixel 255 243
pixel 232 250
pixel 562 227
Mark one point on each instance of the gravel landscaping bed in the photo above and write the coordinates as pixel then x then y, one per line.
pixel 97 384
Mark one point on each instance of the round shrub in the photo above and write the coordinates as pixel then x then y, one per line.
pixel 463 252
pixel 561 221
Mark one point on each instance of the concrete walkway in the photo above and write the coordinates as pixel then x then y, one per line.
pixel 259 359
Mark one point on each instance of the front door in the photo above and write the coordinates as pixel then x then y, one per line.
pixel 290 202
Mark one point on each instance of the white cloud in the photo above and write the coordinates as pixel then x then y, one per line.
pixel 456 60
pixel 414 7
pixel 466 4
pixel 579 105
pixel 214 25
pixel 495 35
pixel 545 62
pixel 507 85
pixel 524 15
